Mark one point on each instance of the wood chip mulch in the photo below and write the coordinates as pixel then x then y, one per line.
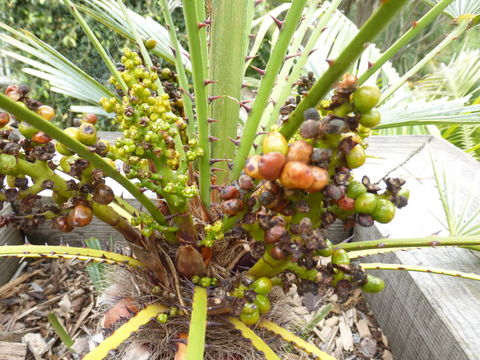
pixel 348 332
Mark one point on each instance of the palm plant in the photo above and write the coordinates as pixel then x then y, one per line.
pixel 205 261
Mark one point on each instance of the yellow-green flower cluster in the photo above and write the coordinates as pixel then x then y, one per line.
pixel 213 233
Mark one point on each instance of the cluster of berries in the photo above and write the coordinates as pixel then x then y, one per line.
pixel 290 194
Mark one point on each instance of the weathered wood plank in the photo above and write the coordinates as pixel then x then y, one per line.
pixel 427 316
pixel 12 351
pixel 8 236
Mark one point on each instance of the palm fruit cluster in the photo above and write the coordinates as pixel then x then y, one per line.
pixel 152 132
pixel 27 164
pixel 291 192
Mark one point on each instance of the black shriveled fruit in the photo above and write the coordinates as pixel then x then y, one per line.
pixel 311 114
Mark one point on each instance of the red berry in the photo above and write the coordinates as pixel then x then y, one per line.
pixel 346 203
pixel 229 192
pixel 103 194
pixel 41 138
pixel 232 207
pixel 4 119
pixel 90 118
pixel 270 165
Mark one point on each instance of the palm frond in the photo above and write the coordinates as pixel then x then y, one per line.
pixel 198 325
pixel 67 252
pixel 47 63
pixel 257 342
pixel 419 268
pixel 461 218
pixel 110 14
pixel 460 7
pixel 401 112
pixel 125 331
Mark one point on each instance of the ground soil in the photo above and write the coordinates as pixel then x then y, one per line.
pixel 348 332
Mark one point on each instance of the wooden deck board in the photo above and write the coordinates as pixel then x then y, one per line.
pixel 428 317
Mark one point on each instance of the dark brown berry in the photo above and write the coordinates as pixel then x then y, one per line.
pixel 232 207
pixel 246 183
pixel 309 129
pixel 333 192
pixel 365 220
pixel 274 234
pixel 103 194
pixel 277 253
pixel 266 198
pixel 229 192
pixel 62 224
pixel 79 216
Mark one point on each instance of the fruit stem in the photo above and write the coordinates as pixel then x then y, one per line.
pixel 284 89
pixel 180 68
pixel 430 241
pixel 266 84
pixel 354 49
pixel 405 39
pixel 267 266
pixel 201 101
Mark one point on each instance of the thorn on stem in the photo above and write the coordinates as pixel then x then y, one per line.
pixel 330 62
pixel 212 138
pixel 212 120
pixel 235 142
pixel 208 82
pixel 212 98
pixel 279 23
pixel 260 71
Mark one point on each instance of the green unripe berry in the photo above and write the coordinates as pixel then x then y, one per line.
pixel 87 134
pixel 371 118
pixel 366 203
pixel 356 157
pixel 162 318
pixel 205 282
pixel 249 308
pixel 263 303
pixel 195 279
pixel 26 129
pixel 366 97
pixel 262 285
pixel 8 164
pixel 355 189
pixel 275 142
pixel 384 211
pixel 327 251
pixel 250 319
pixel 150 44
pixel 404 192
pixel 373 284
pixel 340 257
pixel 343 109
